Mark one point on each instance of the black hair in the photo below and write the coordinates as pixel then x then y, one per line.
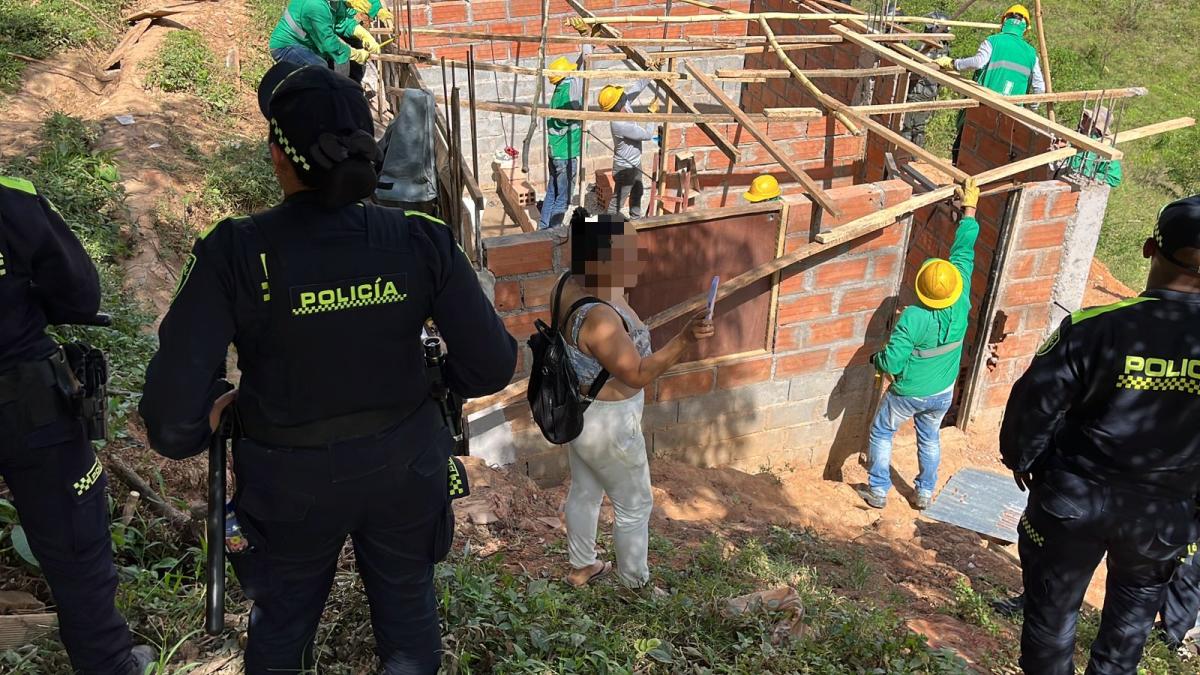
pixel 590 237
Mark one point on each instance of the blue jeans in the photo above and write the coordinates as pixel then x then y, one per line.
pixel 300 55
pixel 558 192
pixel 927 413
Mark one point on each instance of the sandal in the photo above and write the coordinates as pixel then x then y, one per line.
pixel 603 571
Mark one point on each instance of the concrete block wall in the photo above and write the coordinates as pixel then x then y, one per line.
pixel 523 17
pixel 802 403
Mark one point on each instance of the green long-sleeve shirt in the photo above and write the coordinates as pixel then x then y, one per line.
pixel 317 25
pixel 922 329
pixel 1089 164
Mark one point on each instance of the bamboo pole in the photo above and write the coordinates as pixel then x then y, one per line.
pixel 537 94
pixel 818 195
pixel 990 99
pixel 602 116
pixel 1045 55
pixel 838 109
pixel 614 74
pixel 786 16
pixel 736 74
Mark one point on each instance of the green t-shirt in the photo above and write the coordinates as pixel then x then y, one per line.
pixel 921 329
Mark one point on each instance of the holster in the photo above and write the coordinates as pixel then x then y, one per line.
pixel 86 386
pixel 42 392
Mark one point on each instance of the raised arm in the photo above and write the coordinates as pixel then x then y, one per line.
pixel 604 337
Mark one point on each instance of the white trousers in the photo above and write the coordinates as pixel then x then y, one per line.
pixel 609 457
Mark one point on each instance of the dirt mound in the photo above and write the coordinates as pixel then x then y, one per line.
pixel 1103 288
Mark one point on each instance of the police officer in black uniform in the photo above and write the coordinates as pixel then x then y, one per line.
pixel 46 458
pixel 1102 429
pixel 324 297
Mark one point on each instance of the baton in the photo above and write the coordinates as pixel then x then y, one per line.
pixel 214 578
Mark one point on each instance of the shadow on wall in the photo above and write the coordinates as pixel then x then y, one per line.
pixel 857 393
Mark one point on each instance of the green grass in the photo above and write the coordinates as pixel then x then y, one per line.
pixel 184 63
pixel 40 29
pixel 84 185
pixel 1115 43
pixel 265 14
pixel 240 180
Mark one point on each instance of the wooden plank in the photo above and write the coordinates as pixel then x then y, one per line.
pixel 642 60
pixel 1043 55
pixel 1155 129
pixel 708 53
pixel 737 74
pixel 695 215
pixel 839 110
pixel 989 99
pixel 818 195
pixel 852 230
pixel 916 150
pixel 583 40
pixel 512 205
pixel 19 630
pixel 893 108
pixel 161 11
pixel 131 38
pixel 785 16
pixel 614 74
pixel 603 116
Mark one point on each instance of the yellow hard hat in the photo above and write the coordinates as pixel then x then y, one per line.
pixel 1018 10
pixel 939 284
pixel 561 63
pixel 610 96
pixel 762 188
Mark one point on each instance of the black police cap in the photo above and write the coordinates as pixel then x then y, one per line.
pixel 1178 227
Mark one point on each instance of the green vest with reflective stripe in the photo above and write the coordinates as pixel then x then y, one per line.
pixel 1011 68
pixel 565 136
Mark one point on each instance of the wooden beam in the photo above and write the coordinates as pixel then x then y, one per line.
pixel 785 16
pixel 639 57
pixel 613 74
pixel 736 74
pixel 916 150
pixel 1043 55
pixel 694 215
pixel 990 99
pixel 899 108
pixel 1155 129
pixel 893 108
pixel 848 232
pixel 658 56
pixel 706 41
pixel 839 110
pixel 602 116
pixel 512 205
pixel 780 155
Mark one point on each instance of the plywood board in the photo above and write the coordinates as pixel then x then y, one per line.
pixel 684 257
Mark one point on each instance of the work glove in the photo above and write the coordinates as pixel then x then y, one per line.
pixel 968 192
pixel 359 56
pixel 653 107
pixel 360 6
pixel 582 27
pixel 944 62
pixel 386 18
pixel 368 41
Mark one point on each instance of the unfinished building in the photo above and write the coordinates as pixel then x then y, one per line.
pixel 812 93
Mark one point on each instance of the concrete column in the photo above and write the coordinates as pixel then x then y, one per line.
pixel 1078 249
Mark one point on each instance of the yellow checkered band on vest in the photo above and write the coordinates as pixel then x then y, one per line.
pixel 1149 373
pixel 349 304
pixel 1158 384
pixel 456 482
pixel 89 479
pixel 1032 533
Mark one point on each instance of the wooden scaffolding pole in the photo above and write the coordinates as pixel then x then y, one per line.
pixel 734 74
pixel 835 107
pixel 603 116
pixel 818 195
pixel 614 74
pixel 639 57
pixel 786 16
pixel 990 99
pixel 1044 55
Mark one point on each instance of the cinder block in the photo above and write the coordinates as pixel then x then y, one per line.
pixel 720 428
pixel 796 413
pixel 813 386
pixel 731 451
pixel 656 416
pixel 732 401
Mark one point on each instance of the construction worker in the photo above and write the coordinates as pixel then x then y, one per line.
pixel 565 136
pixel 922 357
pixel 46 459
pixel 763 188
pixel 317 32
pixel 627 146
pixel 924 89
pixel 325 297
pixel 1005 63
pixel 1100 430
pixel 1096 124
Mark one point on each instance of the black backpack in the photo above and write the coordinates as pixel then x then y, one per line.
pixel 554 395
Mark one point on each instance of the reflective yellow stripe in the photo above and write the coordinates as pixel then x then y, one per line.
pixel 19 184
pixel 1085 314
pixel 426 216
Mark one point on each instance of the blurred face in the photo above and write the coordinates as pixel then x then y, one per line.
pixel 618 266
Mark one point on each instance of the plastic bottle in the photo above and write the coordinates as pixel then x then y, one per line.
pixel 235 541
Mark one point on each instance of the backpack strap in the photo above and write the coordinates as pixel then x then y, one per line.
pixel 603 375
